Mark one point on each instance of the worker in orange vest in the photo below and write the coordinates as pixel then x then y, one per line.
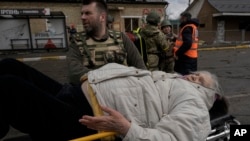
pixel 186 45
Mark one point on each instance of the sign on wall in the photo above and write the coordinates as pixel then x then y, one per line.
pixel 23 12
pixel 32 29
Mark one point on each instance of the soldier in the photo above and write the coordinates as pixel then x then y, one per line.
pixel 110 22
pixel 156 43
pixel 98 45
pixel 168 63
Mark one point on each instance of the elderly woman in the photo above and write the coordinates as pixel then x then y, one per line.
pixel 155 107
pixel 143 105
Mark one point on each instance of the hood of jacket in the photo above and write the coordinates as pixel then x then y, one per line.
pixel 206 94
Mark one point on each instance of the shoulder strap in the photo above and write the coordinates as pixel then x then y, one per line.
pixel 115 35
pixel 137 30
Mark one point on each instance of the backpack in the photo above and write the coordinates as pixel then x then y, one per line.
pixel 139 42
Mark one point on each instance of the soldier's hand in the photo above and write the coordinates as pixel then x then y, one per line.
pixel 175 57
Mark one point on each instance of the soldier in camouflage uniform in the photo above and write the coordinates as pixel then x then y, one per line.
pixel 98 45
pixel 110 21
pixel 168 64
pixel 156 43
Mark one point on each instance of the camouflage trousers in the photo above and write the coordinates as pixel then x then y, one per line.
pixel 167 66
pixel 153 62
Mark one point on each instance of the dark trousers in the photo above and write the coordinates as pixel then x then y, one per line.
pixel 38 105
pixel 185 65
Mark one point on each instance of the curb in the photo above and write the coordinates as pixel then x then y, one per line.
pixel 41 58
pixel 64 57
pixel 224 48
pixel 238 96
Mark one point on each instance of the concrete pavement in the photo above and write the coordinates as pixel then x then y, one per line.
pixel 232 66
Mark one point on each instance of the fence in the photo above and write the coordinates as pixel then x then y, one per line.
pixel 232 37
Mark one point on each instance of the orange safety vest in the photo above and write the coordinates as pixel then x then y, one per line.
pixel 192 52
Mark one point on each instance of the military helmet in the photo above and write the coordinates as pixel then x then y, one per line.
pixel 153 18
pixel 110 19
pixel 166 22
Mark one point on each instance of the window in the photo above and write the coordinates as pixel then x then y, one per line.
pixel 202 25
pixel 131 24
pixel 244 25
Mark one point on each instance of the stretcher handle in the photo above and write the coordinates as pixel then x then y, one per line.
pixel 95 136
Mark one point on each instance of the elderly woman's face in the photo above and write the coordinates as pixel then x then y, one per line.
pixel 200 78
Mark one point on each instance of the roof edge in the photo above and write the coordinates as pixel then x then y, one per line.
pixel 230 14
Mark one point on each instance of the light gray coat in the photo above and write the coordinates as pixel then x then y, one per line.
pixel 160 106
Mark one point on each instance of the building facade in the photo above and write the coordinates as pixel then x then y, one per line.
pixel 127 16
pixel 222 21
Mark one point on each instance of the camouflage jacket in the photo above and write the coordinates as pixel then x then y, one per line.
pixel 156 45
pixel 155 39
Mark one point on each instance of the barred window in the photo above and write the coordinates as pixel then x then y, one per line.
pixel 131 24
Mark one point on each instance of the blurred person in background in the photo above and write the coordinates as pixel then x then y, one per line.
pixel 168 63
pixel 186 45
pixel 155 41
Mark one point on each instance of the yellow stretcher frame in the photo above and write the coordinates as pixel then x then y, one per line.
pixel 95 136
pixel 104 136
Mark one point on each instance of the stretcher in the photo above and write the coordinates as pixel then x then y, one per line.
pixel 104 136
pixel 96 136
pixel 221 128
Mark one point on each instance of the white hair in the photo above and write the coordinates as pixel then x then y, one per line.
pixel 215 83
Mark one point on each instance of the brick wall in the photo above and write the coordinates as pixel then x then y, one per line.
pixel 72 11
pixel 232 32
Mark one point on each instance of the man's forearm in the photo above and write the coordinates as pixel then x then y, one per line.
pixel 134 58
pixel 187 42
pixel 75 67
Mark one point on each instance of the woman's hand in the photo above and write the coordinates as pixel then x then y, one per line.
pixel 115 121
